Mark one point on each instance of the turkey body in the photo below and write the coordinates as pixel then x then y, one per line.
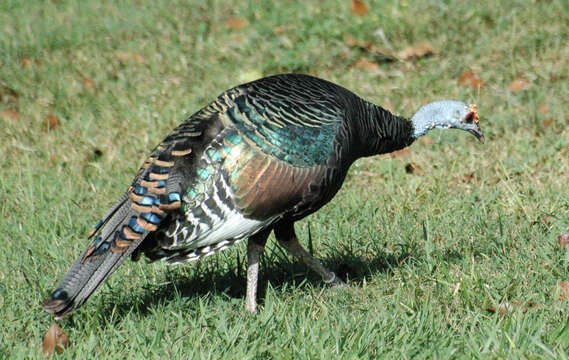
pixel 271 151
pixel 260 157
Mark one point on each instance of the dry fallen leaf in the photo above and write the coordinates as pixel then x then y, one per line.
pixel 237 23
pixel 55 340
pixel 547 122
pixel 416 52
pixel 139 59
pixel 464 178
pixel 564 240
pixel 279 30
pixel 413 168
pixel 88 83
pixel 508 307
pixel 379 54
pixel 10 114
pixel 26 62
pixel 563 288
pixel 359 7
pixel 518 85
pixel 367 65
pixel 543 109
pixel 51 122
pixel 502 309
pixel 470 78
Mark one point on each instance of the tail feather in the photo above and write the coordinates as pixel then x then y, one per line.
pixel 154 192
pixel 98 261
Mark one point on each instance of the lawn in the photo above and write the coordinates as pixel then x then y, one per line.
pixel 451 249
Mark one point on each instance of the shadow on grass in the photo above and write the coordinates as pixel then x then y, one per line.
pixel 276 268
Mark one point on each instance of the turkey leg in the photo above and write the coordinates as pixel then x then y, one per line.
pixel 255 247
pixel 286 236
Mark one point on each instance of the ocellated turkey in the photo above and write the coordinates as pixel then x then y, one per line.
pixel 260 157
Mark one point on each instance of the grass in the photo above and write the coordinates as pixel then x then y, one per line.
pixel 426 254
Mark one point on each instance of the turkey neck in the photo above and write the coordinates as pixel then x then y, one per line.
pixel 380 131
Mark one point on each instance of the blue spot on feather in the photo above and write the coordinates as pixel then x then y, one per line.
pixel 174 196
pixel 147 200
pixel 134 225
pixel 59 294
pixel 122 235
pixel 139 190
pixel 102 249
pixel 203 173
pixel 234 138
pixel 151 217
pixel 192 194
pixel 213 154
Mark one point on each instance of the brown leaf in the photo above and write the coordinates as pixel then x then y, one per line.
pixel 367 65
pixel 26 62
pixel 563 288
pixel 10 114
pixel 543 109
pixel 464 178
pixel 139 59
pixel 427 140
pixel 51 122
pixel 548 122
pixel 416 52
pixel 88 83
pixel 508 307
pixel 237 23
pixel 279 30
pixel 379 54
pixel 55 340
pixel 470 78
pixel 564 240
pixel 350 41
pixel 399 153
pixel 413 168
pixel 543 221
pixel 502 309
pixel 518 84
pixel 359 7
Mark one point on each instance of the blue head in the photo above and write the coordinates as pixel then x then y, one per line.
pixel 447 114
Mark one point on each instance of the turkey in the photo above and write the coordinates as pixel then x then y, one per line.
pixel 260 157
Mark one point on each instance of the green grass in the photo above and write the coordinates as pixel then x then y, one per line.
pixel 425 254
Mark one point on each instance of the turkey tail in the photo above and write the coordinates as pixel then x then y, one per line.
pixel 155 192
pixel 116 237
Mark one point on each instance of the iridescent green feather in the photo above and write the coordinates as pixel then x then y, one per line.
pixel 295 143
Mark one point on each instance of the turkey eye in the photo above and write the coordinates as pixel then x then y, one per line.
pixel 469 117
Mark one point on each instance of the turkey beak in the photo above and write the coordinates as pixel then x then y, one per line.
pixel 478 133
